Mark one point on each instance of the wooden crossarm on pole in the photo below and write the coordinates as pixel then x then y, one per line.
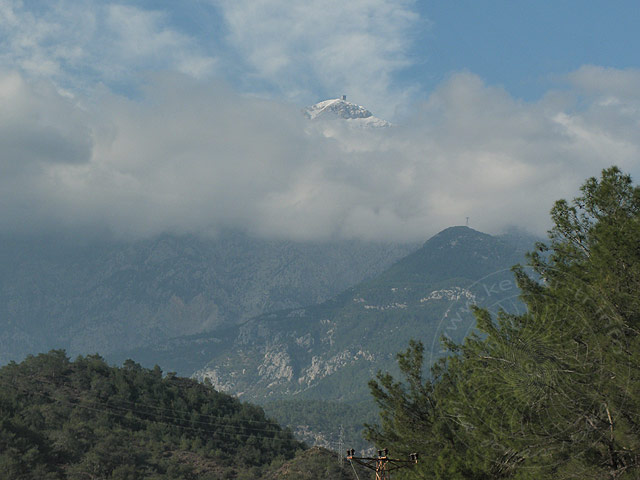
pixel 383 465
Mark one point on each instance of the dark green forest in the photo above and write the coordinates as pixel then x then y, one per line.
pixel 83 419
pixel 553 393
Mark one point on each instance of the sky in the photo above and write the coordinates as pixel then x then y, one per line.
pixel 138 118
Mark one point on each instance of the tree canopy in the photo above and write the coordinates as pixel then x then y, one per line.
pixel 83 419
pixel 551 393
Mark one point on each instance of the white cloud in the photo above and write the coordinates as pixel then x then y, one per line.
pixel 142 37
pixel 40 131
pixel 331 46
pixel 293 49
pixel 194 156
pixel 81 44
pixel 607 82
pixel 37 126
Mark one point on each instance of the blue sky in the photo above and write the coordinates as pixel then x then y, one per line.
pixel 397 51
pixel 143 117
pixel 526 46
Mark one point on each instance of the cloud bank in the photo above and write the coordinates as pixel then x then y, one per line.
pixel 331 47
pixel 81 45
pixel 195 156
pixel 299 50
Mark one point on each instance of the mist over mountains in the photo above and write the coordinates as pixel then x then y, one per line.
pixel 268 199
pixel 270 318
pixel 92 296
pixel 129 295
pixel 311 352
pixel 190 157
pixel 298 362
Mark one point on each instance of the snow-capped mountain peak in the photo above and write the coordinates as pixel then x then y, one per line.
pixel 340 108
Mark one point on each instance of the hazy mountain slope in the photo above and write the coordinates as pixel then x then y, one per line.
pixel 315 357
pixel 330 350
pixel 89 296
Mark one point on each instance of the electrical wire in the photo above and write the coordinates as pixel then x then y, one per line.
pixel 109 407
pixel 181 427
pixel 274 425
pixel 354 469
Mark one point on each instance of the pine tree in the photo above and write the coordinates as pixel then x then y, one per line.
pixel 552 393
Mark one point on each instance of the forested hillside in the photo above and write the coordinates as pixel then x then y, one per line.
pixel 553 393
pixel 82 419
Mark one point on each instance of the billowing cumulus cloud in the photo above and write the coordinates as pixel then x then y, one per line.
pixel 196 156
pixel 82 44
pixel 300 47
pixel 39 132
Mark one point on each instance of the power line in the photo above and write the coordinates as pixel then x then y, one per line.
pixel 106 409
pixel 354 469
pixel 215 417
pixel 109 407
pixel 340 458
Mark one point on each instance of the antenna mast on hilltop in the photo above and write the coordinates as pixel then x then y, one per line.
pixel 467 221
pixel 383 465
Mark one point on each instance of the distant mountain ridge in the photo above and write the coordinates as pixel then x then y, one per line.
pixel 314 352
pixel 92 296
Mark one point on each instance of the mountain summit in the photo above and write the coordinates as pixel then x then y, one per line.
pixel 339 108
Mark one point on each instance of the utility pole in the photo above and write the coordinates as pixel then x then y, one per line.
pixel 383 465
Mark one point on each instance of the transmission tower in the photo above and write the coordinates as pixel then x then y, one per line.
pixel 383 465
pixel 340 445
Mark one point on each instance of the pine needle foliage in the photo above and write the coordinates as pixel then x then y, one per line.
pixel 553 393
